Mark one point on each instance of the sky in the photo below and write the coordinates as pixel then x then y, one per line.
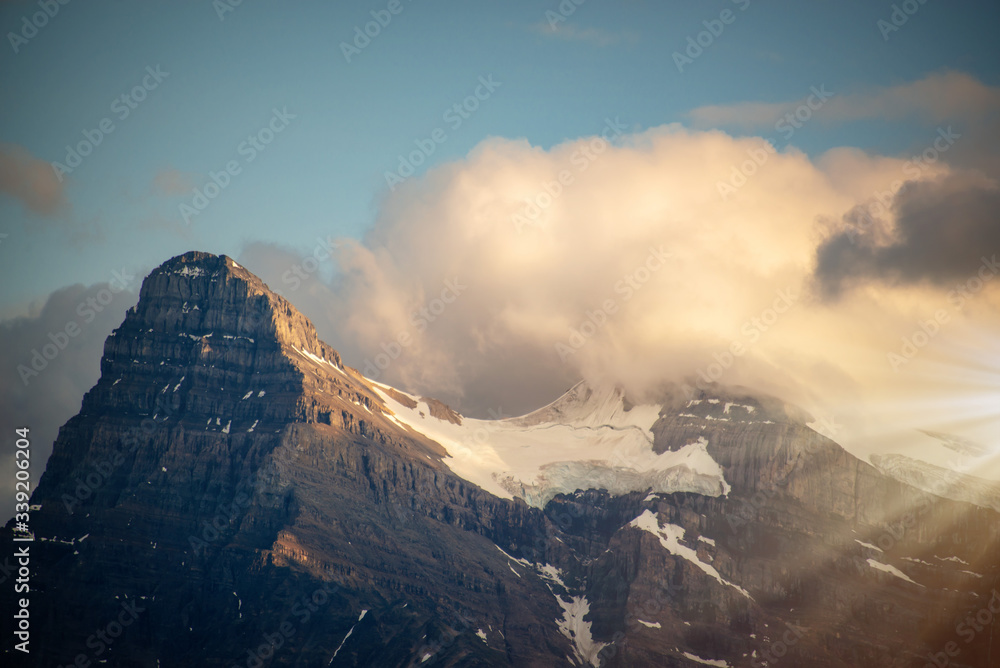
pixel 625 192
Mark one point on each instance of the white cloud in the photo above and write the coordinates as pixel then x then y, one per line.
pixel 495 345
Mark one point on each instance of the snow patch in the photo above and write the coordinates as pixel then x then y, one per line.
pixel 225 430
pixel 868 545
pixel 652 625
pixel 584 440
pixel 317 359
pixel 892 570
pixel 670 536
pixel 918 561
pixel 523 562
pixel 708 662
pixel 577 630
pixel 956 559
pixel 341 645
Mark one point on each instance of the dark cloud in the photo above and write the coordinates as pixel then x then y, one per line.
pixel 49 399
pixel 943 230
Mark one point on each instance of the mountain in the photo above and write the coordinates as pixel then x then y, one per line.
pixel 938 480
pixel 232 494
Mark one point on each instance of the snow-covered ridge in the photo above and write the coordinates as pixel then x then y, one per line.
pixel 587 439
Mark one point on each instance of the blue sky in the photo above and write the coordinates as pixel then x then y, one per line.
pixel 324 174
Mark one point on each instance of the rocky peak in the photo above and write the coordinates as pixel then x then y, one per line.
pixel 209 345
pixel 198 293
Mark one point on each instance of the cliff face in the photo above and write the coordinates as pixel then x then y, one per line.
pixel 254 502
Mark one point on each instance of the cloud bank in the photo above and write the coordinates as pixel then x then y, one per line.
pixel 621 263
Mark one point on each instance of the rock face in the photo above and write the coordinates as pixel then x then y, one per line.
pixel 242 498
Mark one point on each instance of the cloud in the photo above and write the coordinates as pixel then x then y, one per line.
pixel 942 229
pixel 49 399
pixel 173 182
pixel 633 270
pixel 573 33
pixel 30 180
pixel 937 98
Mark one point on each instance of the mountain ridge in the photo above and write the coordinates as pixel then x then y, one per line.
pixel 276 472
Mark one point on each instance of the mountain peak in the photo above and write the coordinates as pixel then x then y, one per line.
pixel 207 341
pixel 214 291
